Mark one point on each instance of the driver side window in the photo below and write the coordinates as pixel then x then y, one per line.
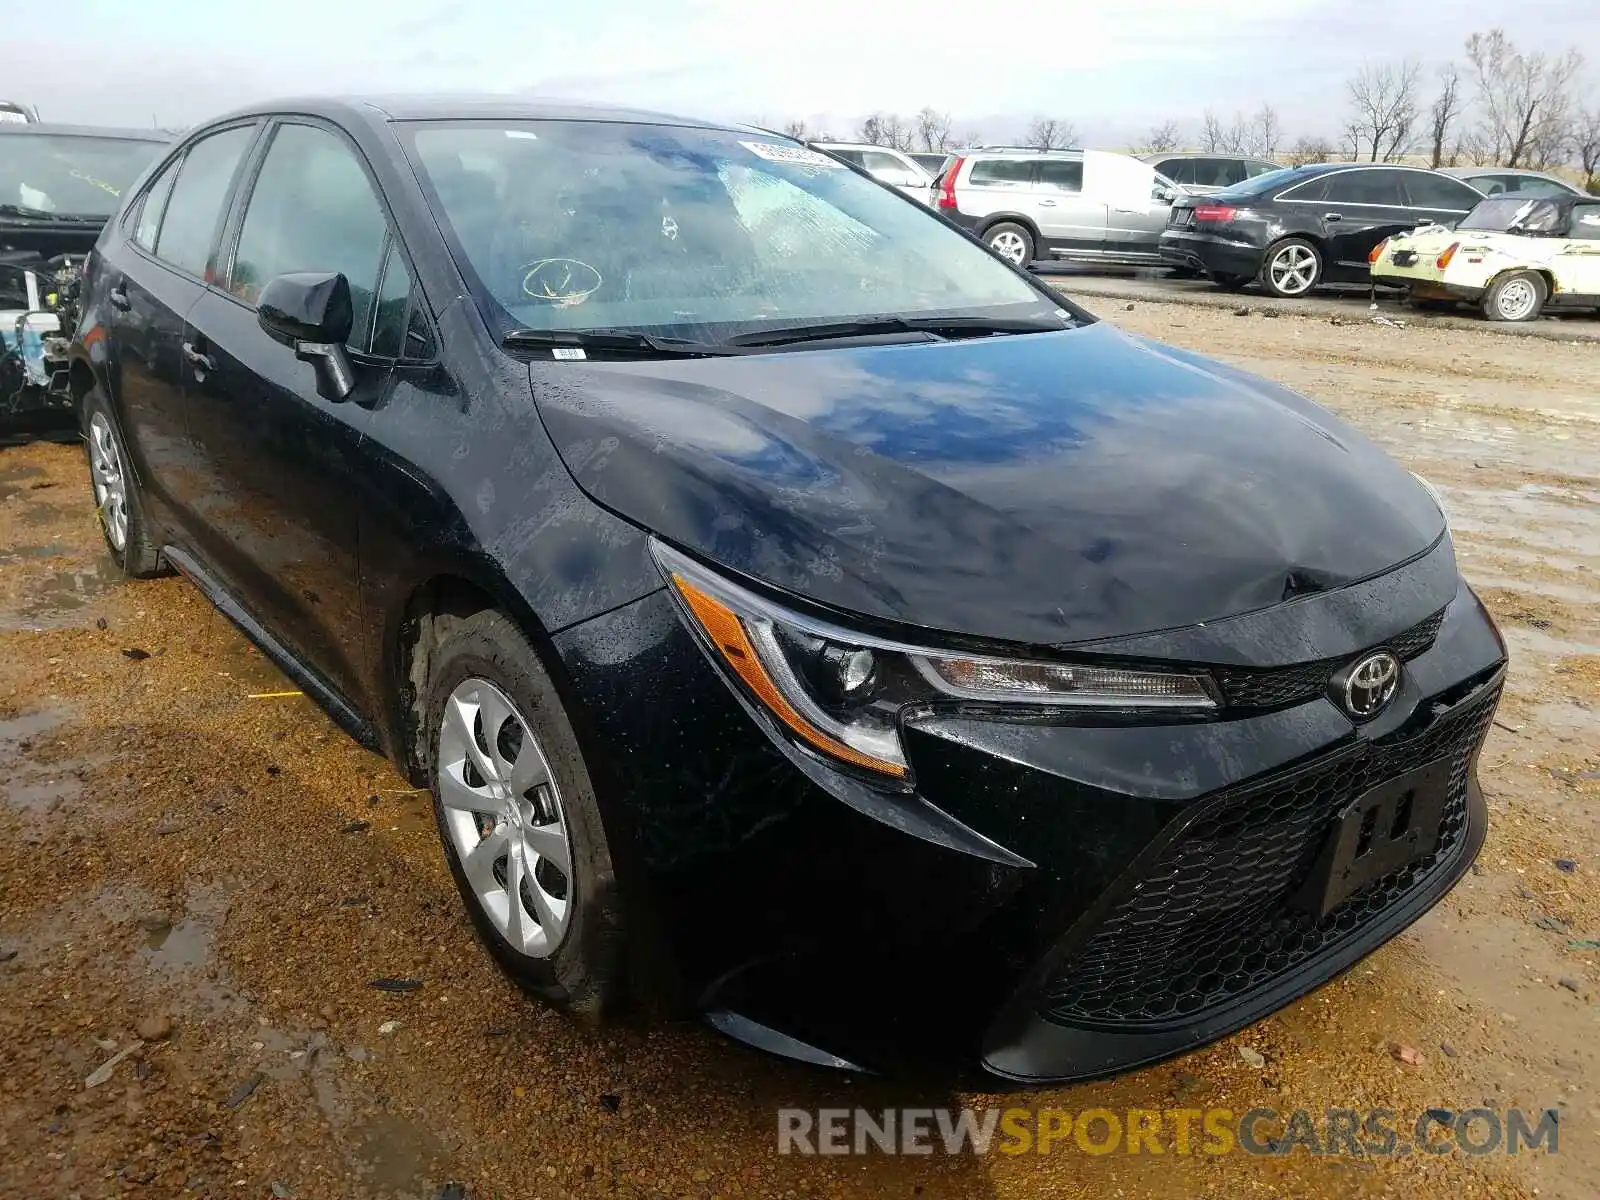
pixel 311 209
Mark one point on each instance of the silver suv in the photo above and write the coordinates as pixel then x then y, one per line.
pixel 893 167
pixel 1075 205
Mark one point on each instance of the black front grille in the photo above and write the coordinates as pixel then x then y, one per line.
pixel 1209 922
pixel 1275 687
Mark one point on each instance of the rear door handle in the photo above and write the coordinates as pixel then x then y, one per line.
pixel 203 361
pixel 1333 216
pixel 1047 204
pixel 119 299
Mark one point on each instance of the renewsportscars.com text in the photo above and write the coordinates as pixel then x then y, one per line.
pixel 1350 1132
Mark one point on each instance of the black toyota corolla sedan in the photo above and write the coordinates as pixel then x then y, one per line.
pixel 800 616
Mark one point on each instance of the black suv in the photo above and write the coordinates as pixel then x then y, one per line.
pixel 1302 226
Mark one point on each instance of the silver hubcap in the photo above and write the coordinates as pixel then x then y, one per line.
pixel 110 484
pixel 1293 269
pixel 1009 245
pixel 504 817
pixel 1517 299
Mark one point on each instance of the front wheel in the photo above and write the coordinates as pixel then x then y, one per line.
pixel 1011 242
pixel 1292 268
pixel 517 813
pixel 1519 296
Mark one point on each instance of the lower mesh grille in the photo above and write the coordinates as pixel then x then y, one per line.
pixel 1209 922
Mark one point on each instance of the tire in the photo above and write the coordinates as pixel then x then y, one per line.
pixel 484 669
pixel 1011 242
pixel 1291 268
pixel 1232 283
pixel 118 504
pixel 1516 296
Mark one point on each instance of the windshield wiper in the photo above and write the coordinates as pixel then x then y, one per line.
pixel 942 327
pixel 628 340
pixel 39 214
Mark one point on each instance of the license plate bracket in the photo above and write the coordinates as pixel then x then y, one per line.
pixel 1376 834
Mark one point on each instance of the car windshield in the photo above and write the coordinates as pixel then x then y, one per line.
pixel 69 175
pixel 1519 214
pixel 692 233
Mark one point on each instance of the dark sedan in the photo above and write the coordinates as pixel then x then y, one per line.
pixel 799 615
pixel 1293 229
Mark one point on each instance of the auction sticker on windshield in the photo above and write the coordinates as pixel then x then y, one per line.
pixel 797 156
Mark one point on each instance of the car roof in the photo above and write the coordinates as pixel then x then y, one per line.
pixel 1204 154
pixel 380 109
pixel 98 131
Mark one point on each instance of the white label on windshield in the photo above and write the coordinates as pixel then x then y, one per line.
pixel 526 135
pixel 795 156
pixel 7 115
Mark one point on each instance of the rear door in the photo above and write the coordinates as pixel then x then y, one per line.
pixel 1358 210
pixel 151 282
pixel 1071 222
pixel 1437 199
pixel 1131 195
pixel 282 515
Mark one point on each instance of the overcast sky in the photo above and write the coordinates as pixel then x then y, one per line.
pixel 1113 69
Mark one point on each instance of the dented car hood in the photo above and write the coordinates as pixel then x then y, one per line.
pixel 1045 488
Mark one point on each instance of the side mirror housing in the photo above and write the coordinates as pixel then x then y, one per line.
pixel 311 312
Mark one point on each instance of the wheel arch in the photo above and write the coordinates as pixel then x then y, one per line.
pixel 1003 218
pixel 411 628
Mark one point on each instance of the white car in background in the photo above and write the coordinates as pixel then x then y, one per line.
pixel 893 167
pixel 1513 255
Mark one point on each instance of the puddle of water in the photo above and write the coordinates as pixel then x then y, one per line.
pixel 395 1154
pixel 182 953
pixel 25 553
pixel 49 600
pixel 31 788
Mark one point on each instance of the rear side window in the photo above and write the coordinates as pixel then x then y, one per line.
pixel 312 209
pixel 194 209
pixel 1061 176
pixel 1532 185
pixel 1179 170
pixel 1004 171
pixel 850 156
pixel 152 206
pixel 1439 191
pixel 877 160
pixel 1365 187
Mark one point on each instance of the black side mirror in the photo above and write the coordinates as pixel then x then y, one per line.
pixel 311 312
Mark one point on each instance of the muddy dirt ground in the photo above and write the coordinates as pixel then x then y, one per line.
pixel 191 860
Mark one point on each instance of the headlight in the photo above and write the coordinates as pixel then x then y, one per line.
pixel 1434 492
pixel 843 693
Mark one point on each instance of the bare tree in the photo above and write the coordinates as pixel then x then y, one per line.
pixel 1217 138
pixel 886 129
pixel 1442 115
pixel 933 129
pixel 1162 138
pixel 1525 99
pixel 1262 132
pixel 1586 147
pixel 1309 150
pixel 796 129
pixel 1048 133
pixel 1383 103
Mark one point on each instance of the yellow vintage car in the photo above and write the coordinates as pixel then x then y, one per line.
pixel 1514 255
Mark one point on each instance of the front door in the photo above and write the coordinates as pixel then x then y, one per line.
pixel 1577 264
pixel 281 510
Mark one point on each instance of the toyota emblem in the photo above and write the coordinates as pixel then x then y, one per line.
pixel 1371 684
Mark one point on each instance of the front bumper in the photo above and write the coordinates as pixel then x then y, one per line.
pixel 1056 900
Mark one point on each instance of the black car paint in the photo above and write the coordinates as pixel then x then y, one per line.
pixel 915 487
pixel 1343 233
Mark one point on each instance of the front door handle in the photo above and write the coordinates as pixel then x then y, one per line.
pixel 203 361
pixel 1047 204
pixel 1333 216
pixel 119 299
